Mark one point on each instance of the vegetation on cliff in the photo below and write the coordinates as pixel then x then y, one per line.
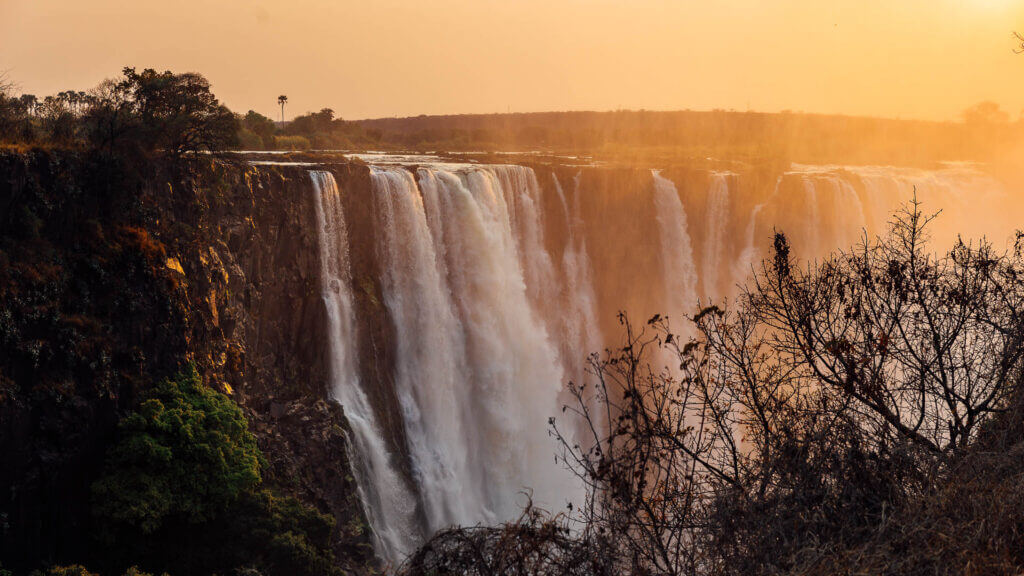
pixel 181 493
pixel 113 451
pixel 186 452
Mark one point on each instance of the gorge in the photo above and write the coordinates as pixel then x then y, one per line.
pixel 399 328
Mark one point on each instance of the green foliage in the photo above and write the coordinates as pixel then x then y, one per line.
pixel 186 453
pixel 180 492
pixel 280 536
pixel 261 126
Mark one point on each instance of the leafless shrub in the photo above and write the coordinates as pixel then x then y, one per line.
pixel 535 544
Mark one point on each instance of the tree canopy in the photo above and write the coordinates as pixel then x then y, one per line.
pixel 186 453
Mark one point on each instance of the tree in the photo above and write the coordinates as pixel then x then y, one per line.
pixel 29 101
pixel 282 100
pixel 180 492
pixel 262 126
pixel 177 112
pixel 186 454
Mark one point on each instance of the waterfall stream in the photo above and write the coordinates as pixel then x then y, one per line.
pixel 388 500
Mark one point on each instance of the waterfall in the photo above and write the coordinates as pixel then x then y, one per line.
pixel 522 196
pixel 716 222
pixel 430 370
pixel 514 371
pixel 487 323
pixel 390 507
pixel 850 208
pixel 680 275
pixel 580 333
pixel 745 265
pixel 477 374
pixel 813 230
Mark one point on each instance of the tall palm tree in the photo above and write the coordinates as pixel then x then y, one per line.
pixel 282 100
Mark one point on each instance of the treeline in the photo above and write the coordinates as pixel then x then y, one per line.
pixel 177 112
pixel 799 137
pixel 132 117
pixel 141 114
pixel 861 415
pixel 312 131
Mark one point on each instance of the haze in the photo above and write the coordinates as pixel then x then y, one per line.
pixel 925 59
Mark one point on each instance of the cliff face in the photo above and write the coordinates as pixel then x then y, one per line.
pixel 101 296
pixel 249 254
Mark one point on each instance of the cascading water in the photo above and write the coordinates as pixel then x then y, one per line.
pixel 580 333
pixel 680 274
pixel 716 222
pixel 430 372
pixel 487 323
pixel 477 374
pixel 388 500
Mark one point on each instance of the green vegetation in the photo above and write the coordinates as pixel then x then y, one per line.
pixel 180 493
pixel 186 453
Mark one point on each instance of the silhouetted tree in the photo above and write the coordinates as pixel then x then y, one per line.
pixel 282 100
pixel 178 113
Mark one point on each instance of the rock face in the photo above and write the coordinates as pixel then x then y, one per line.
pixel 221 271
pixel 252 280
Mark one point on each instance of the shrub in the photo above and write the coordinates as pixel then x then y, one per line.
pixel 186 453
pixel 249 140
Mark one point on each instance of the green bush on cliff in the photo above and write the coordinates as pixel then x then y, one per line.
pixel 180 493
pixel 186 453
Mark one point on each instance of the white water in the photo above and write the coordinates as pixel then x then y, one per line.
pixel 489 323
pixel 477 374
pixel 580 335
pixel 716 222
pixel 680 273
pixel 387 498
pixel 430 372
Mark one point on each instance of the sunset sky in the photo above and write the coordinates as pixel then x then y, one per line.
pixel 370 58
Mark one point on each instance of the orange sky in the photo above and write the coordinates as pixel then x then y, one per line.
pixel 370 58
